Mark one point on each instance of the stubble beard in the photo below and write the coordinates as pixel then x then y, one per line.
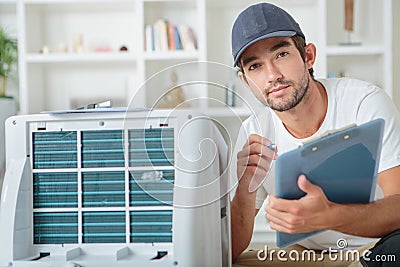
pixel 300 90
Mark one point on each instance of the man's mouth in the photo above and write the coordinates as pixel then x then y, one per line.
pixel 277 89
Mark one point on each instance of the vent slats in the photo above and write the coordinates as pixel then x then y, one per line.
pixel 55 228
pixel 55 190
pixel 103 189
pixel 151 147
pixel 104 227
pixel 54 150
pixel 151 226
pixel 147 192
pixel 102 186
pixel 102 149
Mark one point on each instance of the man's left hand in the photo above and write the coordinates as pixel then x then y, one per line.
pixel 307 214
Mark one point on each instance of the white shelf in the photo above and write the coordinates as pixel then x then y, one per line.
pixel 228 112
pixel 244 3
pixel 84 57
pixel 74 1
pixel 8 1
pixel 342 50
pixel 168 55
pixel 8 8
pixel 163 1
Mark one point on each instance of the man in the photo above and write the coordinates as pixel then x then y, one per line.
pixel 276 65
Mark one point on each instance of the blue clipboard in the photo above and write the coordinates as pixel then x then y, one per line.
pixel 344 164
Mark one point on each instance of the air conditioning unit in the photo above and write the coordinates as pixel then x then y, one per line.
pixel 144 188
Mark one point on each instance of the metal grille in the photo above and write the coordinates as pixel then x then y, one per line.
pixel 104 227
pixel 151 147
pixel 52 190
pixel 57 187
pixel 151 191
pixel 151 226
pixel 102 149
pixel 54 150
pixel 103 189
pixel 55 227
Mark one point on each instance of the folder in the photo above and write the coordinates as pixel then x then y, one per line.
pixel 343 163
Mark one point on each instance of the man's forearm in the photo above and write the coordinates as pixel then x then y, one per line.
pixel 375 219
pixel 253 163
pixel 242 222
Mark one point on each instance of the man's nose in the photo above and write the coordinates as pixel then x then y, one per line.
pixel 272 73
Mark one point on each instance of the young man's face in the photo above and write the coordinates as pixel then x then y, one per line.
pixel 275 72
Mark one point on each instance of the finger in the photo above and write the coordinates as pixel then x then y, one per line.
pixel 267 152
pixel 277 227
pixel 257 149
pixel 281 228
pixel 281 225
pixel 282 217
pixel 256 161
pixel 275 153
pixel 249 171
pixel 281 204
pixel 255 138
pixel 286 219
pixel 306 186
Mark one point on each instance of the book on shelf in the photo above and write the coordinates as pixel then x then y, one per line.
pixel 192 37
pixel 149 32
pixel 171 38
pixel 177 39
pixel 161 26
pixel 187 41
pixel 165 36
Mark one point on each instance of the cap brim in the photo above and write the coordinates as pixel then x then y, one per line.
pixel 266 36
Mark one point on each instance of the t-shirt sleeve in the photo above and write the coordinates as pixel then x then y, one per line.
pixel 375 105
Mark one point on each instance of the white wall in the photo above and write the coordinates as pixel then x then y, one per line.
pixel 396 53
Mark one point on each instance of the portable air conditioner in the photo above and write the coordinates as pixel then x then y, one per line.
pixel 114 189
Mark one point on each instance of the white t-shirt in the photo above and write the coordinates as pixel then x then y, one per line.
pixel 349 101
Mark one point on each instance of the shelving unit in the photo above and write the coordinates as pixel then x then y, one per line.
pixel 87 57
pixel 119 75
pixel 8 20
pixel 369 54
pixel 57 80
pixel 68 80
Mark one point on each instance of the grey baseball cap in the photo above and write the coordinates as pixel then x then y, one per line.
pixel 258 22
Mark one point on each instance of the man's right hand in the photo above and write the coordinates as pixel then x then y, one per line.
pixel 254 162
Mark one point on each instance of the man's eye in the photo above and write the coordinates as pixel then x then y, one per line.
pixel 282 54
pixel 254 66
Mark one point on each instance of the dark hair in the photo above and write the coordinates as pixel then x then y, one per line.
pixel 300 44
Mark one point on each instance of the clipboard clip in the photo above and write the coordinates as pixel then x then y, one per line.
pixel 329 133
